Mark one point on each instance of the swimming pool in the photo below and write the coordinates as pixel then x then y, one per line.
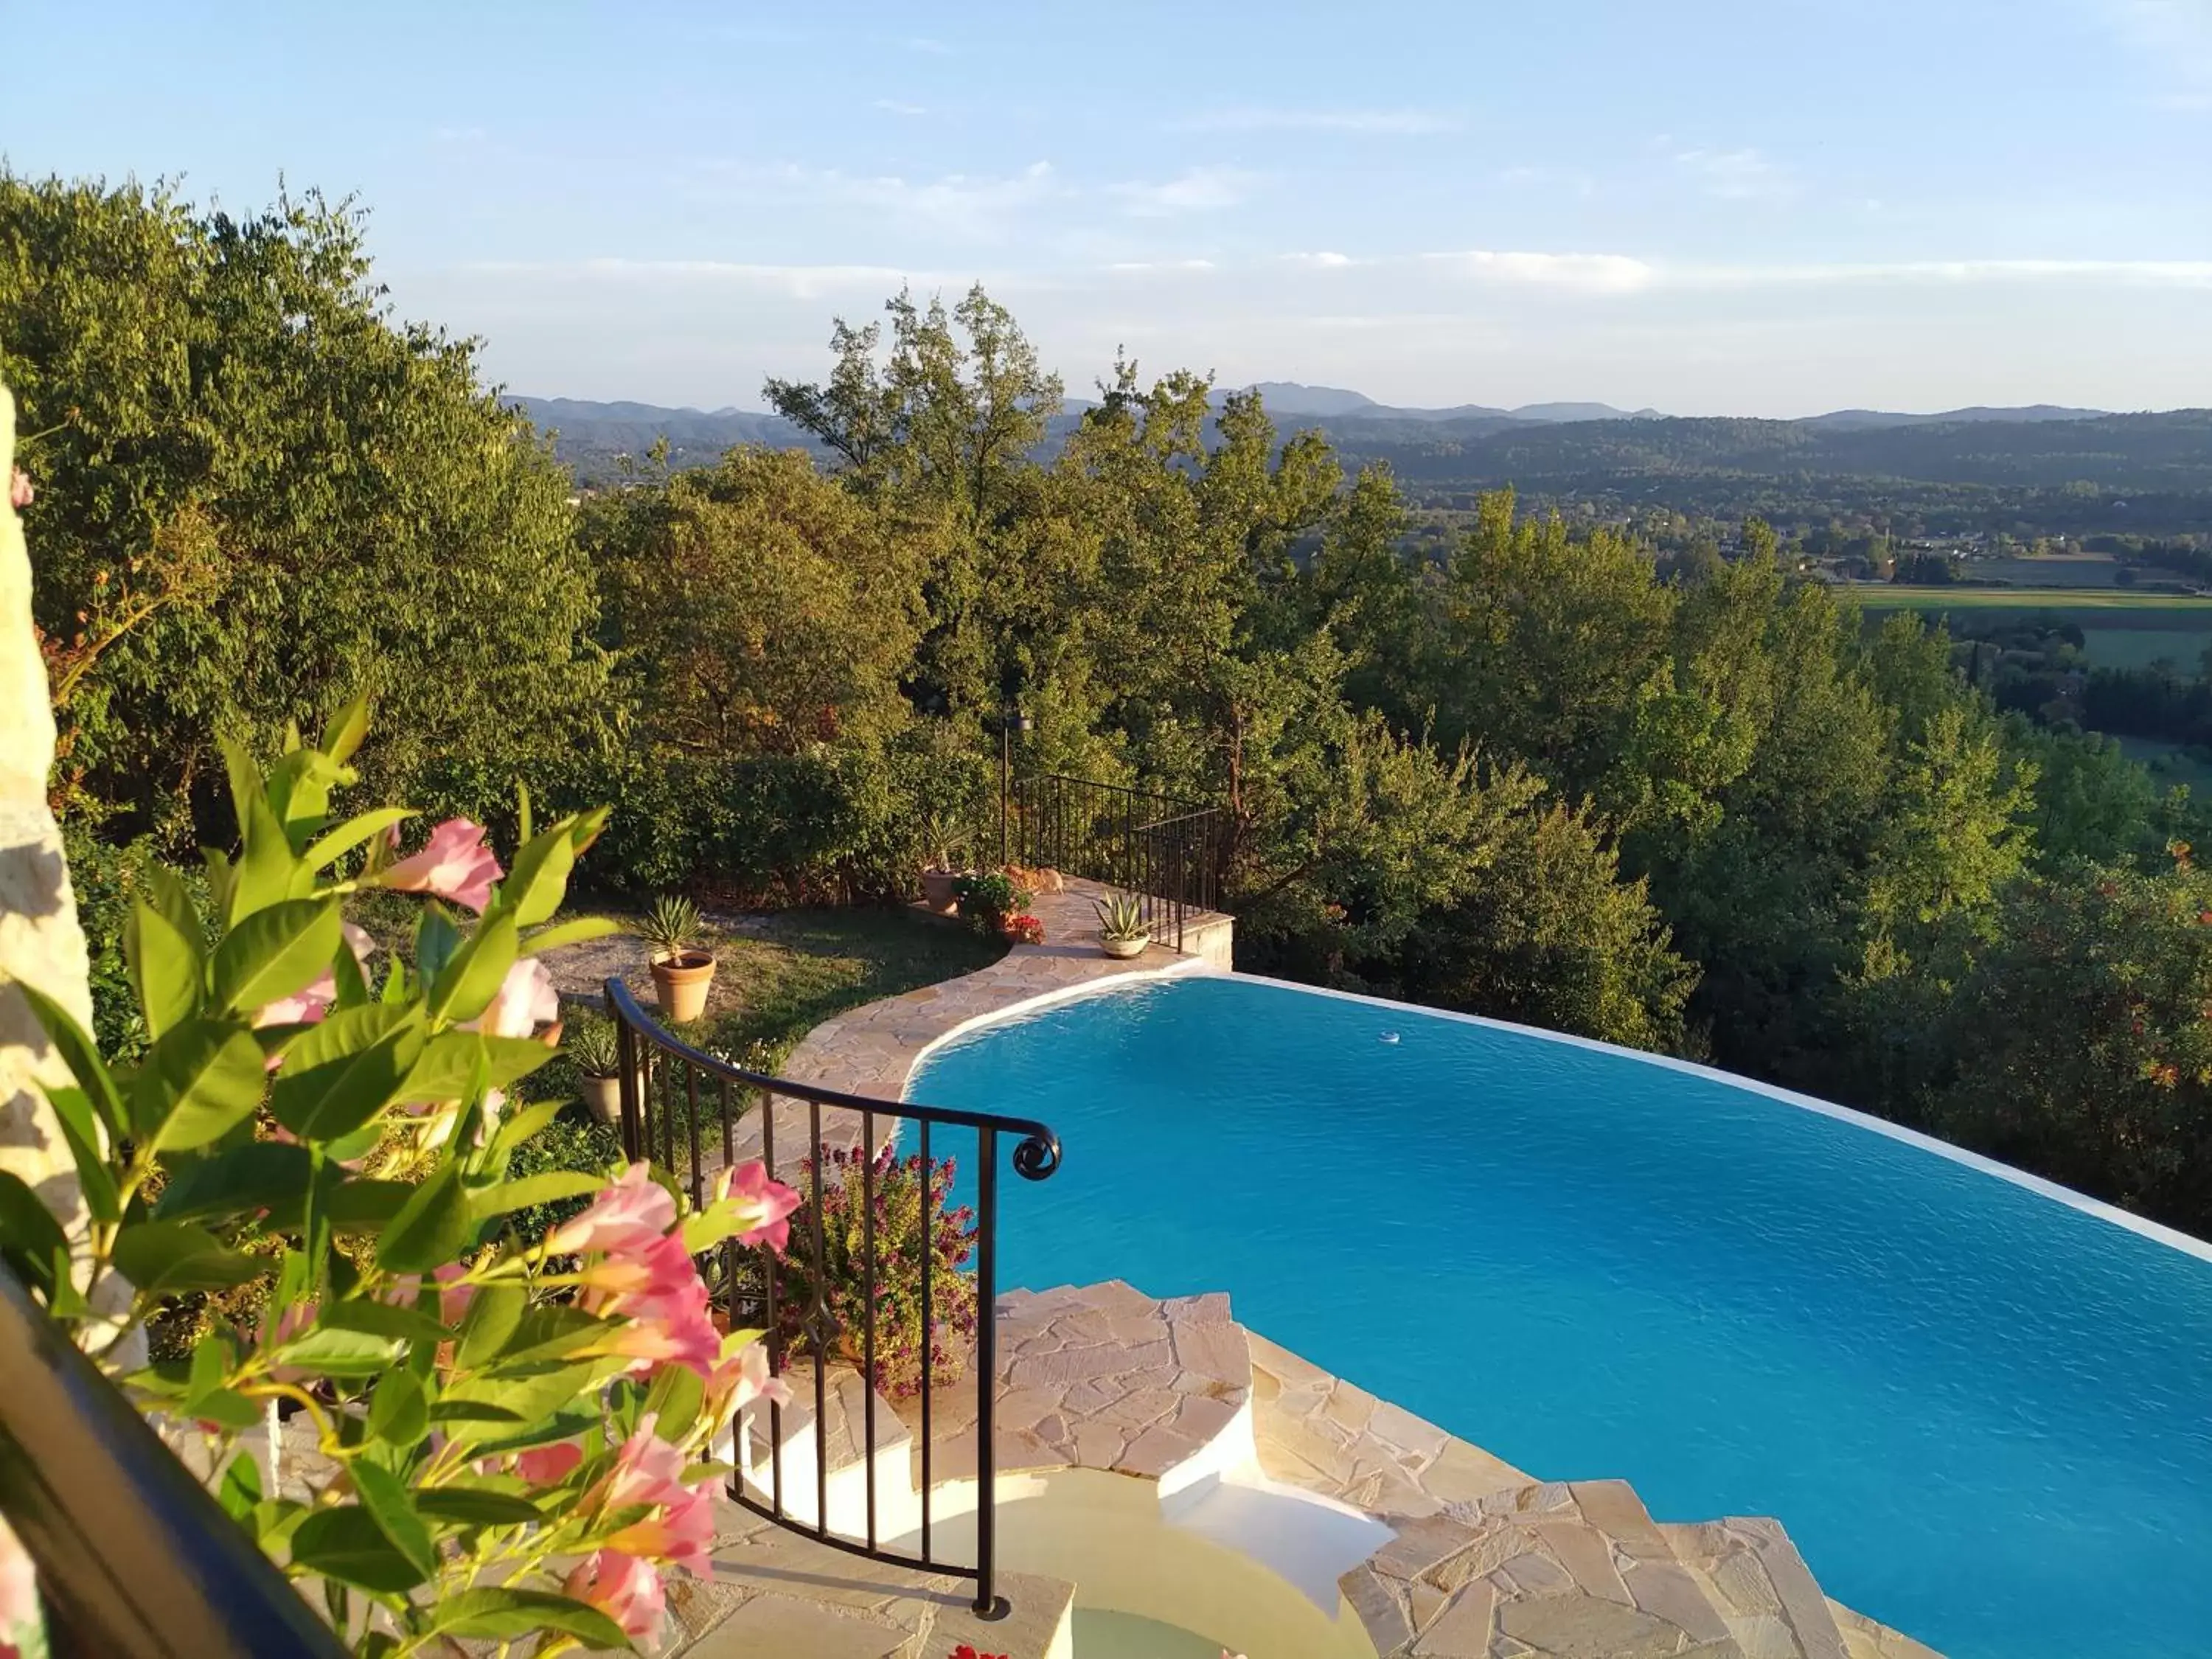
pixel 1984 1415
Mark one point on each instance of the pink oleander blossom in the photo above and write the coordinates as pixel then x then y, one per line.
pixel 626 1589
pixel 693 1343
pixel 628 1216
pixel 455 864
pixel 647 1470
pixel 20 490
pixel 524 1000
pixel 682 1534
pixel 763 1207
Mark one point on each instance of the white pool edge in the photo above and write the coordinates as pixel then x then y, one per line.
pixel 2095 1207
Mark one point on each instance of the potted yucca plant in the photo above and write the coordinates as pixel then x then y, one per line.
pixel 683 971
pixel 940 875
pixel 595 1053
pixel 1122 930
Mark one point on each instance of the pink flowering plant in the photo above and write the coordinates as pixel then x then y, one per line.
pixel 514 1434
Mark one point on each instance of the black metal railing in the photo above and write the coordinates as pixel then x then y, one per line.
pixel 134 1558
pixel 1168 853
pixel 696 1113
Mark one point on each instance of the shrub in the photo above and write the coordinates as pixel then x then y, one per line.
pixel 914 1215
pixel 989 899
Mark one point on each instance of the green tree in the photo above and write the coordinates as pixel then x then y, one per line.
pixel 258 491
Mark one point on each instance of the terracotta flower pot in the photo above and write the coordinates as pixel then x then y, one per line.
pixel 936 891
pixel 682 983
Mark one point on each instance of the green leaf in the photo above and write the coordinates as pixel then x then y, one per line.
pixel 262 874
pixel 496 1612
pixel 337 1352
pixel 197 1084
pixel 30 1237
pixel 241 1490
pixel 348 1031
pixel 229 1409
pixel 324 1102
pixel 386 1499
pixel 470 1411
pixel 535 886
pixel 561 1426
pixel 388 1319
pixel 519 1123
pixel 546 1333
pixel 449 1067
pixel 73 1111
pixel 262 1175
pixel 576 931
pixel 436 939
pixel 343 731
pixel 347 1544
pixel 677 1394
pixel 79 1054
pixel 335 844
pixel 366 1205
pixel 163 1258
pixel 211 1365
pixel 398 1412
pixel 533 1398
pixel 492 1313
pixel 280 949
pixel 165 966
pixel 432 1228
pixel 467 984
pixel 548 1188
pixel 473 1506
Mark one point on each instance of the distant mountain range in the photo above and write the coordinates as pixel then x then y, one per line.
pixel 2143 465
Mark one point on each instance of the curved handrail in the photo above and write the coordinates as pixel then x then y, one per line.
pixel 1038 1142
pixel 134 1558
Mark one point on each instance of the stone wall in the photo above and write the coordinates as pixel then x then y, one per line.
pixel 40 939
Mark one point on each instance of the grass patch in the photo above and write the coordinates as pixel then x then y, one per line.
pixel 803 966
pixel 2139 647
pixel 2077 604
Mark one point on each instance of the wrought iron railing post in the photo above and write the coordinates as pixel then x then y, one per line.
pixel 626 1060
pixel 986 1374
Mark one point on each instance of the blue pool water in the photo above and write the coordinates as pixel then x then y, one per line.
pixel 1985 1415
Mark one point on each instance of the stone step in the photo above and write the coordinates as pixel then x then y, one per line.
pixel 777 1592
pixel 1748 1568
pixel 1560 1570
pixel 1865 1639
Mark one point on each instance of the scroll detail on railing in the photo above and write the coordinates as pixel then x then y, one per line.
pixel 909 1292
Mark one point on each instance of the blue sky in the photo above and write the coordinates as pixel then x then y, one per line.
pixel 1709 206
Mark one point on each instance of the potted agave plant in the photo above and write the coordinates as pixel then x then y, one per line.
pixel 683 972
pixel 1122 931
pixel 597 1056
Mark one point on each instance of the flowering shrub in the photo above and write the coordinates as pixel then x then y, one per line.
pixel 914 1216
pixel 486 1403
pixel 988 898
pixel 1024 929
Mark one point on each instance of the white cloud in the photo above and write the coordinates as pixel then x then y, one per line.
pixel 1583 273
pixel 1160 267
pixel 2177 36
pixel 1321 260
pixel 1200 190
pixel 892 107
pixel 797 282
pixel 1737 175
pixel 2158 273
pixel 957 204
pixel 1383 123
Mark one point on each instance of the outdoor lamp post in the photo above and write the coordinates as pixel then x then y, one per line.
pixel 1012 721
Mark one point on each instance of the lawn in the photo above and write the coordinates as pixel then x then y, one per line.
pixel 2119 629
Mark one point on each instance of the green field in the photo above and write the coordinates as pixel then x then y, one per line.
pixel 2119 629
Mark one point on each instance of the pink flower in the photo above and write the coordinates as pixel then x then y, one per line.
pixel 759 1207
pixel 625 1589
pixel 455 864
pixel 544 1466
pixel 629 1215
pixel 741 1379
pixel 659 1292
pixel 647 1470
pixel 689 1342
pixel 19 490
pixel 525 998
pixel 681 1534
